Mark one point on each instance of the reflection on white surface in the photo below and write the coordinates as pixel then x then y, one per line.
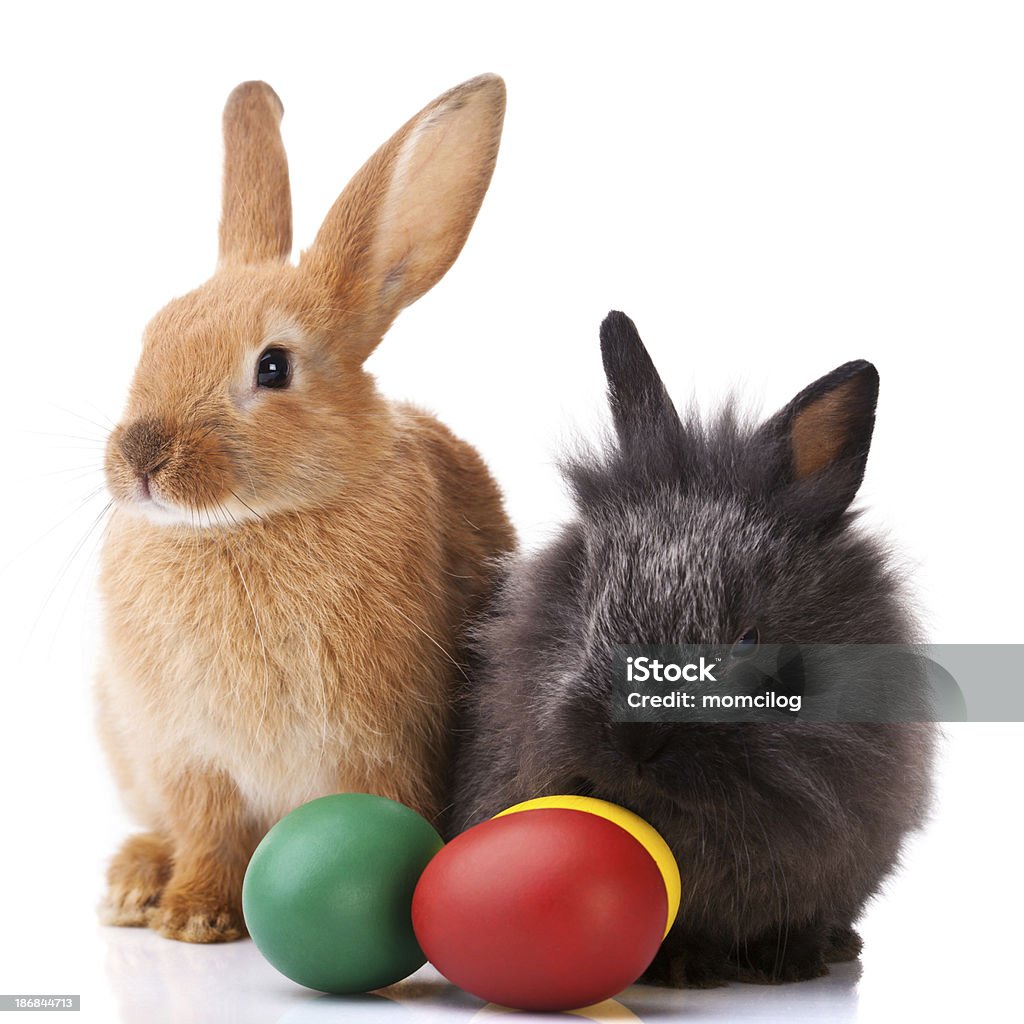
pixel 157 981
pixel 940 944
pixel 611 1011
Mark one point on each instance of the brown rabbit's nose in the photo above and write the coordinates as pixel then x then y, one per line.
pixel 639 742
pixel 146 447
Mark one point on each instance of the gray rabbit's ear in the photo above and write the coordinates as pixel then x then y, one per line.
pixel 817 446
pixel 641 407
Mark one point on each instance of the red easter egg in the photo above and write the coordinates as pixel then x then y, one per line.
pixel 547 909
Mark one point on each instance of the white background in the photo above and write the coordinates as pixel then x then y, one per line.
pixel 769 190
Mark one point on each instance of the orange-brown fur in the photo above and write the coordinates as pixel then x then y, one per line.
pixel 287 573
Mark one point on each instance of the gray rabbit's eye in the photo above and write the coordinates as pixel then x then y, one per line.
pixel 747 644
pixel 274 370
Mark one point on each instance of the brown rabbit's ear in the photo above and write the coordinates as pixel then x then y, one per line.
pixel 256 216
pixel 404 217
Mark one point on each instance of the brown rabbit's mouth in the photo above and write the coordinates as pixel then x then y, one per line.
pixel 150 505
pixel 174 477
pixel 148 502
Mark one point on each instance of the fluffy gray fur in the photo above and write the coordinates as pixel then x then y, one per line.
pixel 695 532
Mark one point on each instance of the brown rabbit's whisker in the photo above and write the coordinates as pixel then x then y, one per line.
pixel 100 441
pixel 94 538
pixel 106 428
pixel 199 433
pixel 252 483
pixel 259 635
pixel 110 424
pixel 235 495
pixel 92 449
pixel 427 636
pixel 84 500
pixel 68 562
pixel 56 526
pixel 82 470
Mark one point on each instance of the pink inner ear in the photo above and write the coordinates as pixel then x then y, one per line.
pixel 819 432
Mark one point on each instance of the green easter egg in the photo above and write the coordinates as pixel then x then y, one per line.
pixel 327 895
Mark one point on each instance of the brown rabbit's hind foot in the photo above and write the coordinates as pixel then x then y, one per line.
pixel 203 900
pixel 200 906
pixel 136 879
pixel 190 914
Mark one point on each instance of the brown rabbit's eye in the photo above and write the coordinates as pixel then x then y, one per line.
pixel 275 369
pixel 747 644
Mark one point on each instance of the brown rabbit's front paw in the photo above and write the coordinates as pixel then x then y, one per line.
pixel 135 880
pixel 189 915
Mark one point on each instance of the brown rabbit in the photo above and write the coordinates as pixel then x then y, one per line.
pixel 290 556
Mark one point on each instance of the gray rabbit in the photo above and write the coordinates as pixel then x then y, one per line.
pixel 709 532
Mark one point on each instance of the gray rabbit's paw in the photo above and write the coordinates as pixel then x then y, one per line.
pixel 695 966
pixel 782 956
